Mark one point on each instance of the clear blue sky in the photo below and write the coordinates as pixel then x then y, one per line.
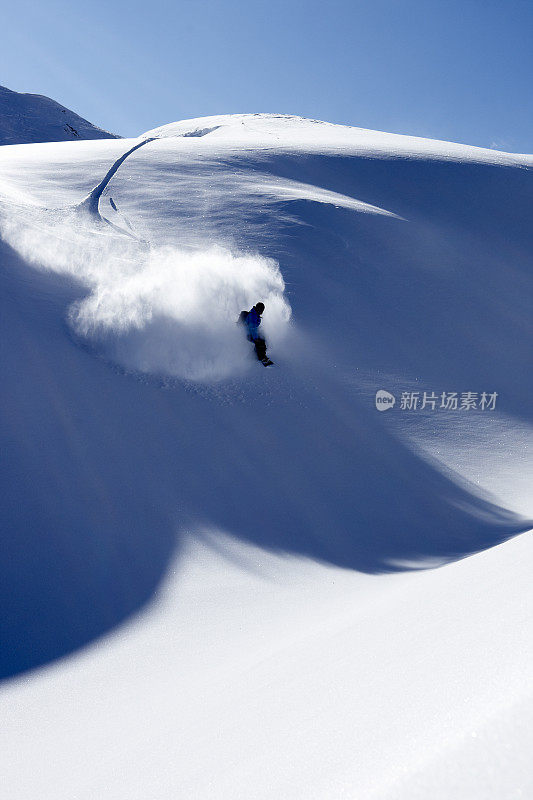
pixel 451 69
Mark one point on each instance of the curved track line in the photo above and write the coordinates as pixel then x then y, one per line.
pixel 91 201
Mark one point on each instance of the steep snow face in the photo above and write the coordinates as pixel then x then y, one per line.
pixel 147 294
pixel 140 438
pixel 26 118
pixel 173 205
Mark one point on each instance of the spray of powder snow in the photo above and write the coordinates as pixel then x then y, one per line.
pixel 164 310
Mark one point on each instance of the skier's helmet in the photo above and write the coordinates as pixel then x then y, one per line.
pixel 259 307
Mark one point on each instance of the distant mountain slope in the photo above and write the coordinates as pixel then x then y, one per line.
pixel 27 118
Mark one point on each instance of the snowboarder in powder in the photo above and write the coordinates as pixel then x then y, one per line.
pixel 252 320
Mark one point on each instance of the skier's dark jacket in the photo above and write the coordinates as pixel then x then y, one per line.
pixel 253 321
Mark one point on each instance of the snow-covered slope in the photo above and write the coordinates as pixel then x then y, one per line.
pixel 270 530
pixel 26 118
pixel 284 132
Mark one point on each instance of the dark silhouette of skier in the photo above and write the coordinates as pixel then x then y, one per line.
pixel 252 320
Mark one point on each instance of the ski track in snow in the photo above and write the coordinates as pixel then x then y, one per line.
pixel 92 201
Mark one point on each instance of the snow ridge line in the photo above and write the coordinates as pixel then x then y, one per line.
pixel 90 203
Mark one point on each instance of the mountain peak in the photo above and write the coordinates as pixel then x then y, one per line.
pixel 27 118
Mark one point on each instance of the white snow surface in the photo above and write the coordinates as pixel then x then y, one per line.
pixel 221 581
pixel 288 132
pixel 26 118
